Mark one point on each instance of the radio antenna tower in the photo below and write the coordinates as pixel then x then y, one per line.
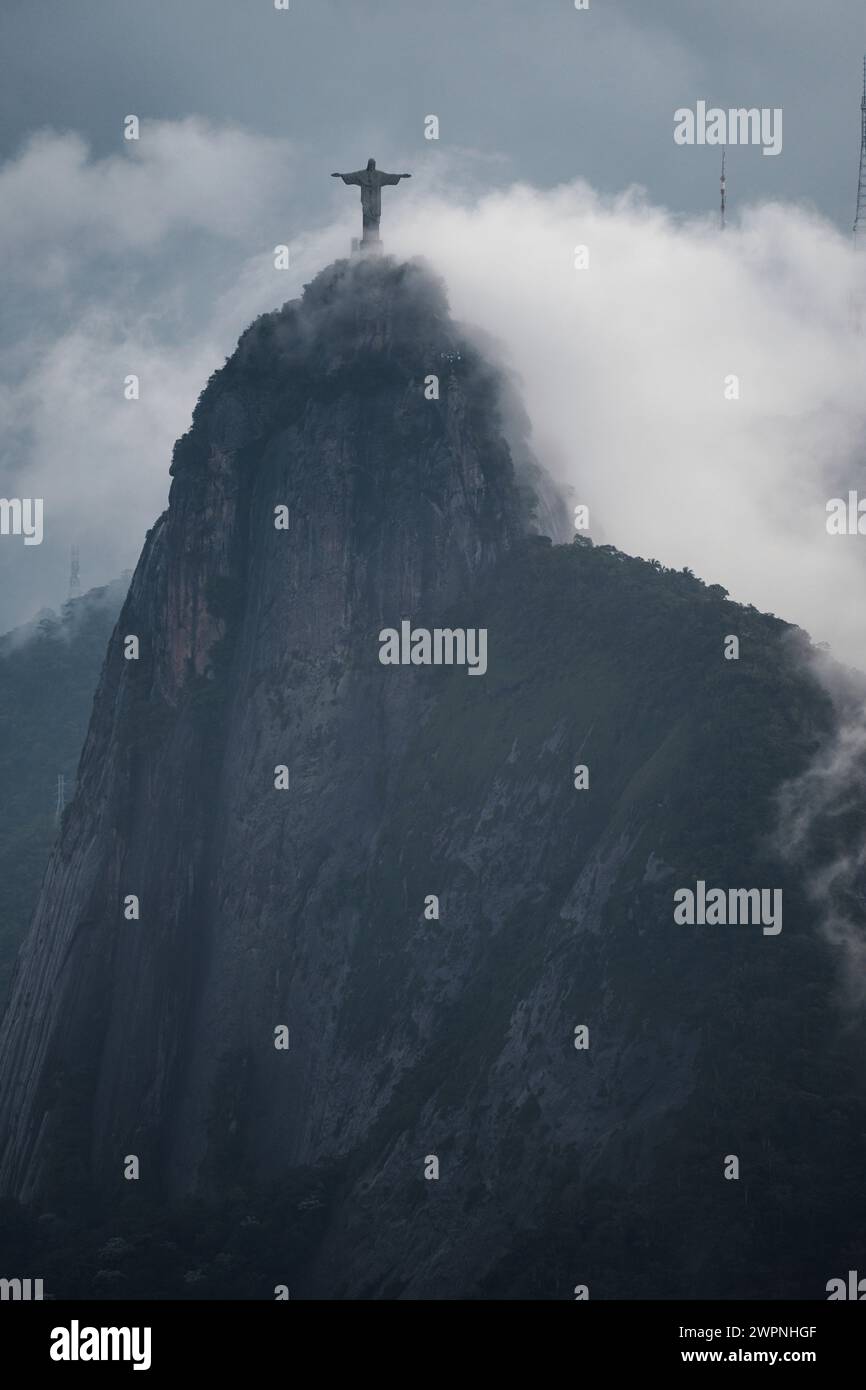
pixel 860 217
pixel 74 574
pixel 723 188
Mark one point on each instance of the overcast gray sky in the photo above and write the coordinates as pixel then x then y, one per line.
pixel 151 257
pixel 556 92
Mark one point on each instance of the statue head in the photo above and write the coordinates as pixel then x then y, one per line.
pixel 371 163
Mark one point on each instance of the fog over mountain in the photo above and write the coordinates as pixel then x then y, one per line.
pixel 663 316
pixel 431 847
pixel 318 928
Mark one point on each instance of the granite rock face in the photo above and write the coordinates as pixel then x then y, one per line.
pixel 411 1036
pixel 258 647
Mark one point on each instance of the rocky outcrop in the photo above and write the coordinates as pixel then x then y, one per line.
pixel 414 1035
pixel 258 647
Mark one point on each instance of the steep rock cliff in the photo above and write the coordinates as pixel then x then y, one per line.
pixel 258 647
pixel 413 1037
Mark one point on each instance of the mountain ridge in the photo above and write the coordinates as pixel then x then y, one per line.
pixel 266 906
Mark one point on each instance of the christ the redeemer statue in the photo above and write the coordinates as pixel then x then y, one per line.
pixel 371 180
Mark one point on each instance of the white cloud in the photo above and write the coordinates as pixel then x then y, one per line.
pixel 59 205
pixel 820 826
pixel 624 365
pixel 150 261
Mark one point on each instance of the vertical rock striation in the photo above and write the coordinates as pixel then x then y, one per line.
pixel 258 647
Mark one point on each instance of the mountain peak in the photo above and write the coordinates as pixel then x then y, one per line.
pixel 345 470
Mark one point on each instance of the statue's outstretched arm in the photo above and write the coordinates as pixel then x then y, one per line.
pixel 348 178
pixel 394 178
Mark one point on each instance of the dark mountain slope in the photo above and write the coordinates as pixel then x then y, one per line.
pixel 48 673
pixel 413 1037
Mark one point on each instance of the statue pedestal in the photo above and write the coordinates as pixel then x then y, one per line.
pixel 365 247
